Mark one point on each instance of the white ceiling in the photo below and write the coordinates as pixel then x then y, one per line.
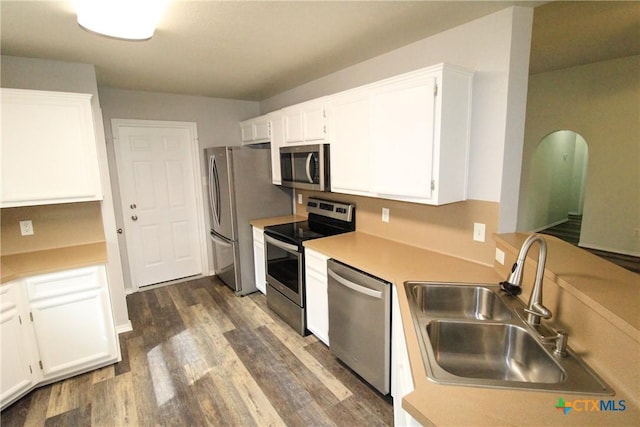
pixel 248 49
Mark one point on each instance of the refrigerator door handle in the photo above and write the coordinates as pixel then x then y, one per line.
pixel 214 192
pixel 219 238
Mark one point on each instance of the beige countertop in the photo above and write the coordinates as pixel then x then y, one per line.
pixel 265 222
pixel 445 404
pixel 51 260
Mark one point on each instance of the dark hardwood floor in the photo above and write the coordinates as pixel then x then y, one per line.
pixel 199 355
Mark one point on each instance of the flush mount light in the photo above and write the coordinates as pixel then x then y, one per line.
pixel 121 19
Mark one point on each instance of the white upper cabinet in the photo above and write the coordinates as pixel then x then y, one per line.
pixel 404 138
pixel 402 120
pixel 256 130
pixel 349 126
pixel 305 122
pixel 48 148
pixel 277 141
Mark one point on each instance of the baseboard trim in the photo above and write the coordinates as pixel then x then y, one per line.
pixel 553 224
pixel 127 327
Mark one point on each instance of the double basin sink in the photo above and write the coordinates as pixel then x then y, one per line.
pixel 472 335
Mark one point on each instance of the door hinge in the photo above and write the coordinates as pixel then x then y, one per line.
pixel 41 367
pixel 435 89
pixel 324 129
pixel 433 185
pixel 31 315
pixel 30 370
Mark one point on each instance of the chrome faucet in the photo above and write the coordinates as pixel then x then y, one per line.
pixel 513 285
pixel 535 310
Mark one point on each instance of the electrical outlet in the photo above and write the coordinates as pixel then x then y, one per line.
pixel 26 228
pixel 478 231
pixel 385 214
pixel 299 198
pixel 500 256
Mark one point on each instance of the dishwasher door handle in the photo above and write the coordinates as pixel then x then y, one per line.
pixel 354 286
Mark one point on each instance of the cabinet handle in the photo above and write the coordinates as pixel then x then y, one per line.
pixel 134 217
pixel 119 231
pixel 132 206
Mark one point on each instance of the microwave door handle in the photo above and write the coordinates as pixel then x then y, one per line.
pixel 308 167
pixel 354 286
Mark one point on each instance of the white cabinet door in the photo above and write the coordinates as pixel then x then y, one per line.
pixel 256 130
pixel 401 379
pixel 349 116
pixel 48 148
pixel 403 128
pixel 305 122
pixel 72 321
pixel 316 294
pixel 258 259
pixel 18 362
pixel 277 140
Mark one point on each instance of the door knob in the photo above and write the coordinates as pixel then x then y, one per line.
pixel 134 217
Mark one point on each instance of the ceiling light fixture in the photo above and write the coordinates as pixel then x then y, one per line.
pixel 121 19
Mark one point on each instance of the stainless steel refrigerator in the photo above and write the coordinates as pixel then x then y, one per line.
pixel 240 190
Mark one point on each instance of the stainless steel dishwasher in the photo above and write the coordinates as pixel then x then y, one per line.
pixel 360 323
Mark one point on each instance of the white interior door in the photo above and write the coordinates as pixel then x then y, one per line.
pixel 158 172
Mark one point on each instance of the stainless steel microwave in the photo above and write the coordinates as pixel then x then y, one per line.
pixel 305 167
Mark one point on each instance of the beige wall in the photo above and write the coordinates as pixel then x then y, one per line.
pixel 54 226
pixel 601 102
pixel 446 229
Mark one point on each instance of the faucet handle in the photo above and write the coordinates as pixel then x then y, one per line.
pixel 538 310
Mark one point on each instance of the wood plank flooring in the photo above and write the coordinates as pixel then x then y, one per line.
pixel 199 355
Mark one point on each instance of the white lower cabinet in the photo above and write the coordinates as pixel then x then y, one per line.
pixel 70 327
pixel 317 300
pixel 259 260
pixel 401 379
pixel 18 365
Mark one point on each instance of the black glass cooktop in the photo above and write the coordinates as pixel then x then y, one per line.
pixel 297 232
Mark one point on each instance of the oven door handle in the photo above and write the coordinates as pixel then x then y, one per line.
pixel 280 244
pixel 354 286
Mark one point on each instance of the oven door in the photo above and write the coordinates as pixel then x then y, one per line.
pixel 284 268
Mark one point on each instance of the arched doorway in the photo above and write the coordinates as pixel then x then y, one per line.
pixel 557 184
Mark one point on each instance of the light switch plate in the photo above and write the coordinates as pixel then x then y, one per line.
pixel 26 228
pixel 299 198
pixel 500 256
pixel 385 214
pixel 478 231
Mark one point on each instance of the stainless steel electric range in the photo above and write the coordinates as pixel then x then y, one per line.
pixel 284 255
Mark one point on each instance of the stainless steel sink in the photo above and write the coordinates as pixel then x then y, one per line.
pixel 490 351
pixel 467 302
pixel 472 335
